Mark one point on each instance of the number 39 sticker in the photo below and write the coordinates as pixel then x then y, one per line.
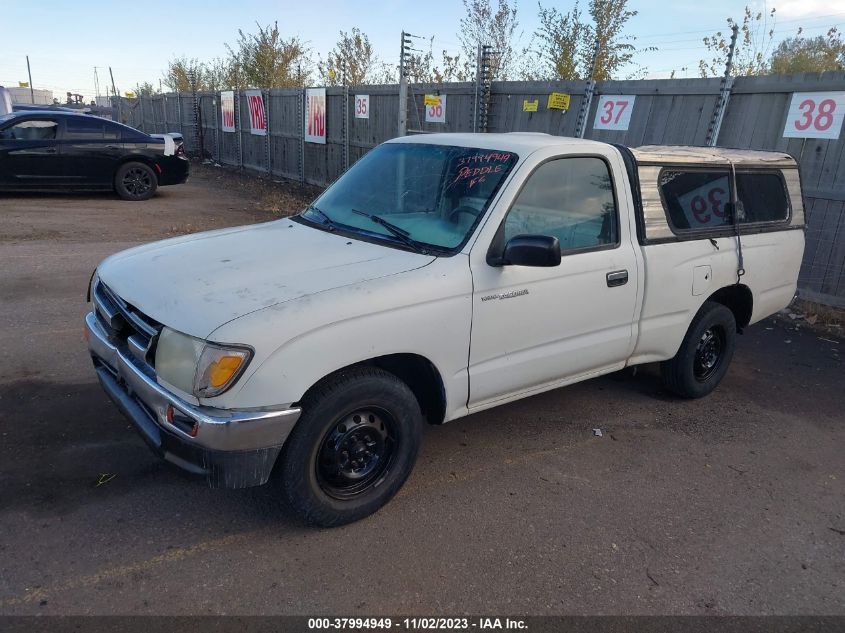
pixel 614 112
pixel 815 115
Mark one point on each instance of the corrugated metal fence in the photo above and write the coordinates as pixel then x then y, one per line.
pixel 675 111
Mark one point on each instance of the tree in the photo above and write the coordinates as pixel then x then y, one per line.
pixel 145 89
pixel 453 68
pixel 420 66
pixel 177 77
pixel 266 60
pixel 494 27
pixel 615 49
pixel 561 44
pixel 564 44
pixel 352 58
pixel 809 54
pixel 756 32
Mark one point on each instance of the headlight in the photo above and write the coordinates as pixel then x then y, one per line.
pixel 218 368
pixel 195 366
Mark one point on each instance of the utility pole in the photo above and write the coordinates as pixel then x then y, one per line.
pixel 31 90
pixel 117 96
pixel 724 94
pixel 404 59
pixel 96 85
pixel 584 111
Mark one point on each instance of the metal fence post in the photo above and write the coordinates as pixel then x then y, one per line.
pixel 301 112
pixel 345 126
pixel 238 128
pixel 724 94
pixel 179 114
pixel 215 103
pixel 267 138
pixel 584 111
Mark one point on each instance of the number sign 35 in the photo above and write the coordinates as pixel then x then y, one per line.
pixel 815 115
pixel 614 112
pixel 362 106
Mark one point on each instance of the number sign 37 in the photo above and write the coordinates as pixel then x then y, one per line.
pixel 815 115
pixel 614 112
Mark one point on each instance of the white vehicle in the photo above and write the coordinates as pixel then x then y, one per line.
pixel 441 275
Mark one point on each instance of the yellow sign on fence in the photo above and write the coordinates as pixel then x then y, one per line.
pixel 23 84
pixel 530 106
pixel 558 101
pixel 431 100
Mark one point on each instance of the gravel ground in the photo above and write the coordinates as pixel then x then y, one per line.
pixel 733 504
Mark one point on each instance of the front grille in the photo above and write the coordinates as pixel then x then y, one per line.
pixel 127 327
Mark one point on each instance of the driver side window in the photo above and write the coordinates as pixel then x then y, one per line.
pixel 33 130
pixel 570 199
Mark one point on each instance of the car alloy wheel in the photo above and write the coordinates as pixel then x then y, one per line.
pixel 137 181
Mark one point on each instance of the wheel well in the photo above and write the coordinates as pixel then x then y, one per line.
pixel 739 300
pixel 419 374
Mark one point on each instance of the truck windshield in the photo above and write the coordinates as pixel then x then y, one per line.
pixel 415 195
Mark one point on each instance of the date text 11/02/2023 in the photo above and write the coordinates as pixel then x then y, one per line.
pixel 418 623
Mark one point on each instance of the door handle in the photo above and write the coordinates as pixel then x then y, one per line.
pixel 617 278
pixel 112 147
pixel 50 150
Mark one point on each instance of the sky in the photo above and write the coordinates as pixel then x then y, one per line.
pixel 67 39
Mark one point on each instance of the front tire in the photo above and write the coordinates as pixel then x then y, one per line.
pixel 705 353
pixel 353 447
pixel 135 181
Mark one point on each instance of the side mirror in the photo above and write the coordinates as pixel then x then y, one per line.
pixel 531 250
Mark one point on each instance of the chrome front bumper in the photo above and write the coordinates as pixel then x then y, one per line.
pixel 232 448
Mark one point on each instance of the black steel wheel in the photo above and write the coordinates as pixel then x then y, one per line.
pixel 705 353
pixel 708 353
pixel 135 181
pixel 356 453
pixel 352 448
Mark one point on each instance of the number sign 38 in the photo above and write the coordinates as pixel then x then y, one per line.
pixel 815 115
pixel 614 112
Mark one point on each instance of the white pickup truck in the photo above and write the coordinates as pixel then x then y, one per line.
pixel 441 275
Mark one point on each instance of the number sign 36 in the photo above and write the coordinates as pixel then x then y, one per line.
pixel 614 112
pixel 815 115
pixel 435 109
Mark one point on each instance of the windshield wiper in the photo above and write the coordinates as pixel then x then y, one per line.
pixel 326 220
pixel 397 231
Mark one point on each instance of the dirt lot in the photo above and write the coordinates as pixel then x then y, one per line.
pixel 730 504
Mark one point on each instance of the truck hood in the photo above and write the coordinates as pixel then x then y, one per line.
pixel 196 283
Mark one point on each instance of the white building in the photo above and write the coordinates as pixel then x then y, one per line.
pixel 23 95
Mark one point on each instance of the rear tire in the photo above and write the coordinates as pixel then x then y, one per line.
pixel 705 353
pixel 135 181
pixel 353 447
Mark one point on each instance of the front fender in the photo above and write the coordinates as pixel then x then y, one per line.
pixel 427 312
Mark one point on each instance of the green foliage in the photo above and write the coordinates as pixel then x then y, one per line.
pixel 756 32
pixel 563 45
pixel 809 54
pixel 145 89
pixel 177 77
pixel 267 60
pixel 486 25
pixel 353 60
